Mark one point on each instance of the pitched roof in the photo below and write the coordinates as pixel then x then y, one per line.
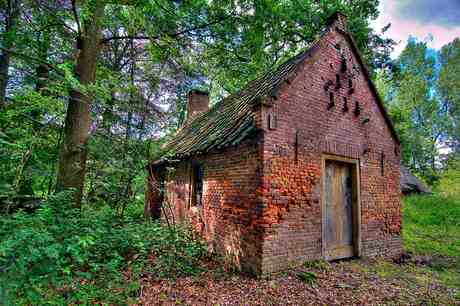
pixel 230 120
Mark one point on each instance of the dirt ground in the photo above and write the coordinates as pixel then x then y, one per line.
pixel 354 282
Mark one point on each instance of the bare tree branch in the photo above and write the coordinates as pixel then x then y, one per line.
pixel 172 35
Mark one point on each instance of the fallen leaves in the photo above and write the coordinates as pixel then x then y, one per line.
pixel 342 283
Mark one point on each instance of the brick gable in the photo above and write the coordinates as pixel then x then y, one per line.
pixel 309 129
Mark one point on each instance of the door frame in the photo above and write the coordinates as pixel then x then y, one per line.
pixel 356 209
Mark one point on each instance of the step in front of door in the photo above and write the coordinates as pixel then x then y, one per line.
pixel 339 252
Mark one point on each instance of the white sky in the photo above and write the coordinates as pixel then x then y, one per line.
pixel 420 18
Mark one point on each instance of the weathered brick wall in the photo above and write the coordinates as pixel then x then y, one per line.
pixel 262 199
pixel 292 154
pixel 230 202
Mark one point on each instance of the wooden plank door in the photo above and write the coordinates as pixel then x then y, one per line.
pixel 338 215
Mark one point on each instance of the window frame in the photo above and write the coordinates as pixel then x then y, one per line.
pixel 197 182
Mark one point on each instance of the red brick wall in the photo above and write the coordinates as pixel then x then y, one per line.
pixel 197 102
pixel 230 202
pixel 292 173
pixel 262 199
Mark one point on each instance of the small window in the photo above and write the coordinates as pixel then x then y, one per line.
pixel 197 191
pixel 337 81
pixel 272 121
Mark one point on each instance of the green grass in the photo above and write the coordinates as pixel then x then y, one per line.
pixel 431 226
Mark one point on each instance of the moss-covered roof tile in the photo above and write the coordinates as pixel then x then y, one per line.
pixel 229 121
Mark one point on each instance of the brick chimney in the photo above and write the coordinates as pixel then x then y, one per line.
pixel 338 21
pixel 197 103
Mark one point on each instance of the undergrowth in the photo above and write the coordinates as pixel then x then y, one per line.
pixel 62 255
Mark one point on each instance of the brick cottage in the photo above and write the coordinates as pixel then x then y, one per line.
pixel 301 164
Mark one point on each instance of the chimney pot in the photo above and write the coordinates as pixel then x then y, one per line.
pixel 337 20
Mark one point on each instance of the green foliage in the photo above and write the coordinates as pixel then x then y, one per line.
pixel 449 181
pixel 260 34
pixel 65 256
pixel 29 144
pixel 449 88
pixel 419 122
pixel 421 97
pixel 116 175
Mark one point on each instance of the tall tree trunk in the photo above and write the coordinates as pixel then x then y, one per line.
pixel 11 20
pixel 73 152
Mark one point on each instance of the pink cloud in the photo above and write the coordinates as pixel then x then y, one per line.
pixel 402 28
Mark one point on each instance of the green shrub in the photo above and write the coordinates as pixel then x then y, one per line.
pixel 62 255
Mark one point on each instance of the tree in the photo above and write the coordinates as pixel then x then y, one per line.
pixel 418 108
pixel 116 66
pixel 72 157
pixel 72 161
pixel 265 33
pixel 448 85
pixel 10 15
pixel 421 93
